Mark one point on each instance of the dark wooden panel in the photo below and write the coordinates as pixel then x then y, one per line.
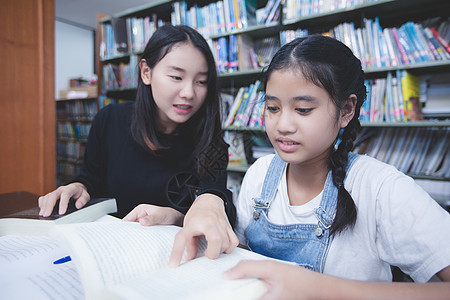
pixel 27 106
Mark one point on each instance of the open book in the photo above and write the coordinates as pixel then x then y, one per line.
pixel 28 270
pixel 124 260
pixel 29 222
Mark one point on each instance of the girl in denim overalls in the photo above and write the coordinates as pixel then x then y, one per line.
pixel 324 208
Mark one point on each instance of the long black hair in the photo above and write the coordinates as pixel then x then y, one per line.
pixel 331 65
pixel 203 129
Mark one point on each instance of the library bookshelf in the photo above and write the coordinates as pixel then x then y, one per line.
pixel 73 122
pixel 239 67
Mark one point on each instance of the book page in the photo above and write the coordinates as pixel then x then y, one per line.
pixel 200 278
pixel 21 255
pixel 28 271
pixel 108 253
pixel 57 283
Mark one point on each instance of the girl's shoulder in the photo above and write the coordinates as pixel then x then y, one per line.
pixel 371 172
pixel 117 109
pixel 372 166
pixel 116 112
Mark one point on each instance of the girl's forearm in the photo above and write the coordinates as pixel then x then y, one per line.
pixel 338 288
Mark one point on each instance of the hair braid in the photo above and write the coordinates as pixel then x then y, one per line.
pixel 346 210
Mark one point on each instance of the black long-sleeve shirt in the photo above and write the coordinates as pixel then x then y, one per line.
pixel 116 166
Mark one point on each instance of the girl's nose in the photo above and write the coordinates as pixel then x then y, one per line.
pixel 187 91
pixel 286 123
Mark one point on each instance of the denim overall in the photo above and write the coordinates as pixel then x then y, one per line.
pixel 305 244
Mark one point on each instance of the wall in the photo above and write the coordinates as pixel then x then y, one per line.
pixel 74 54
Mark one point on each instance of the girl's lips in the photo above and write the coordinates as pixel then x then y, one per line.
pixel 287 145
pixel 182 108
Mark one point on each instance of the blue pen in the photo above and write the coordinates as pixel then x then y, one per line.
pixel 62 260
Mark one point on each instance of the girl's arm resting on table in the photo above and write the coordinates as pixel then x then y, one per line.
pixel 206 217
pixel 285 281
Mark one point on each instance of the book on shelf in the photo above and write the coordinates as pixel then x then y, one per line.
pixel 416 109
pixel 273 13
pixel 124 260
pixel 266 11
pixel 235 107
pixel 120 34
pixel 29 221
pixel 410 88
pixel 245 46
pixel 236 151
pixel 437 154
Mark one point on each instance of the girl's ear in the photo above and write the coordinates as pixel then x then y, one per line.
pixel 146 72
pixel 348 110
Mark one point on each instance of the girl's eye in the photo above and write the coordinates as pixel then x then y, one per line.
pixel 303 110
pixel 202 82
pixel 176 77
pixel 272 108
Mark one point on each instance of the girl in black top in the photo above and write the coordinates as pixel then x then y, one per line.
pixel 159 153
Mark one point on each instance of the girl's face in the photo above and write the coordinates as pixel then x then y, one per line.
pixel 178 83
pixel 301 118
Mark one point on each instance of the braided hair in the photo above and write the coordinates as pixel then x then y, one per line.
pixel 332 66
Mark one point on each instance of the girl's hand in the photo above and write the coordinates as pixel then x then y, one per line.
pixel 205 217
pixel 147 215
pixel 283 280
pixel 286 281
pixel 63 193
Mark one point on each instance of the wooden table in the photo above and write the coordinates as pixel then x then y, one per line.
pixel 17 201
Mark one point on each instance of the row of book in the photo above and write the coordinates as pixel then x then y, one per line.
pixel 70 151
pixel 120 76
pixel 72 131
pixel 392 99
pixel 241 52
pixel 395 98
pixel 73 110
pixel 217 17
pixel 302 8
pixel 129 35
pixel 66 171
pixel 104 100
pixel 417 151
pixel 247 108
pixel 420 151
pixel 377 47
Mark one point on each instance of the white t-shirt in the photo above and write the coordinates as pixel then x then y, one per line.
pixel 398 223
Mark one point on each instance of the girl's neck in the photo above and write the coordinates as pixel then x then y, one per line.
pixel 305 182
